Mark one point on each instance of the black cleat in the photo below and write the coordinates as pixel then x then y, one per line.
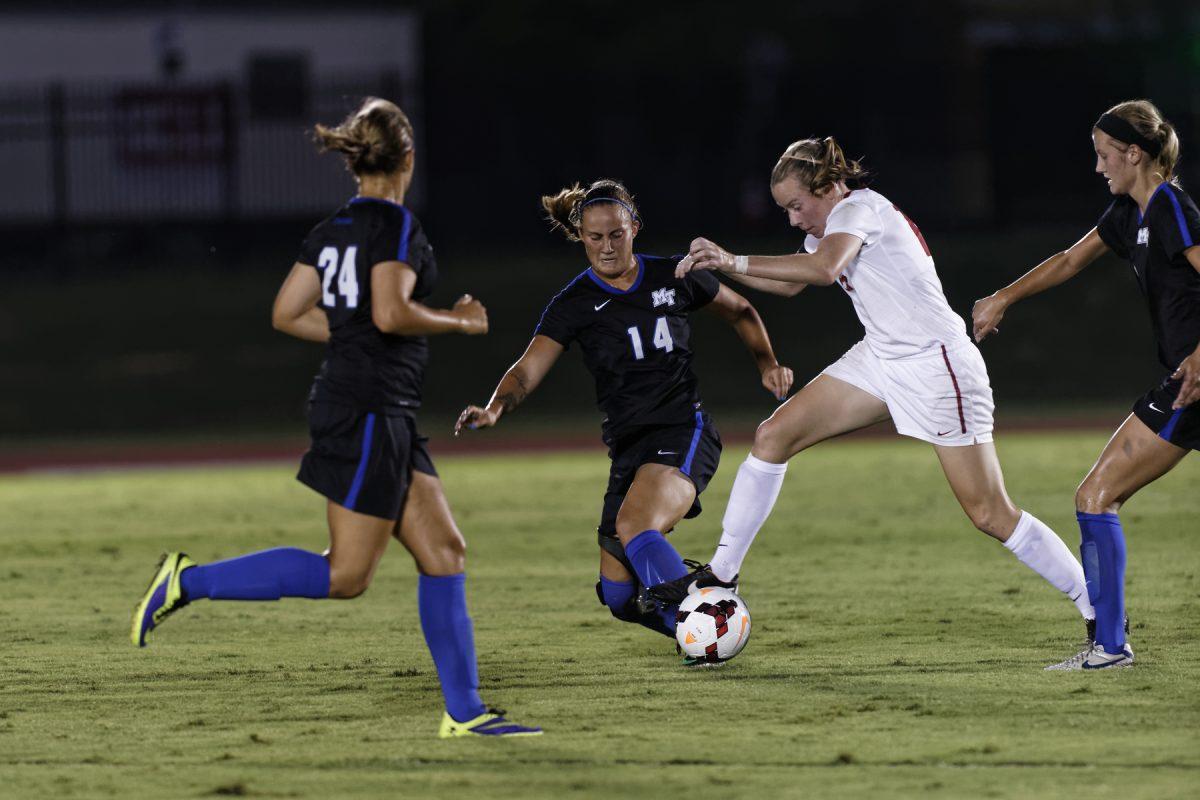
pixel 1091 629
pixel 700 577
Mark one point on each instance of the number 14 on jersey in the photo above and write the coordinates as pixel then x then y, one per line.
pixel 662 338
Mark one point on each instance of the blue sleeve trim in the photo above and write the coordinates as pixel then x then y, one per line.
pixel 361 472
pixel 1142 215
pixel 561 292
pixel 1183 228
pixel 405 233
pixel 686 469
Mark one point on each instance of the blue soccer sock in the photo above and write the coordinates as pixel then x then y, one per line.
pixel 267 575
pixel 1102 551
pixel 618 596
pixel 442 604
pixel 654 559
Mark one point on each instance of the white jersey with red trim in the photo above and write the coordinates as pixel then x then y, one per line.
pixel 892 281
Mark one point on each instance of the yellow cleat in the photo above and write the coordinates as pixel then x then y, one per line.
pixel 163 597
pixel 489 723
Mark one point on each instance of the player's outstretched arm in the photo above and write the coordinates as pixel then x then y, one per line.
pixel 822 268
pixel 295 311
pixel 517 384
pixel 738 312
pixel 394 311
pixel 987 312
pixel 781 288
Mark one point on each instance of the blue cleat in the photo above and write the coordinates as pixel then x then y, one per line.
pixel 163 597
pixel 489 723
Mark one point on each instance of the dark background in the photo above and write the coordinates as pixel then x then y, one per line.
pixel 974 117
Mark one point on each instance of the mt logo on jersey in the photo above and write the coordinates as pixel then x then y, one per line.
pixel 663 297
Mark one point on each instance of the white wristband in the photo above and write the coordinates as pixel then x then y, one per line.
pixel 741 264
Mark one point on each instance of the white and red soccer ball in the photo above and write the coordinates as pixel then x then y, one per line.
pixel 712 625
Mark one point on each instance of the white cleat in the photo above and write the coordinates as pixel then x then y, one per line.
pixel 1101 659
pixel 1093 656
pixel 1075 661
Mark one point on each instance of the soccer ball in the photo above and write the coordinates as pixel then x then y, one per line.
pixel 712 625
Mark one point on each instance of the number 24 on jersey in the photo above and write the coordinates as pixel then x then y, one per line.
pixel 346 273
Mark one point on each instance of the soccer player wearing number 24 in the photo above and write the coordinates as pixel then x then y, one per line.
pixel 359 286
pixel 916 364
pixel 629 313
pixel 1155 225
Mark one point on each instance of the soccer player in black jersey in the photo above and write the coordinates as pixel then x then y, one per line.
pixel 1153 224
pixel 359 284
pixel 629 315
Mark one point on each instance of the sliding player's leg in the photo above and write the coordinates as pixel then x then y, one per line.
pixel 658 499
pixel 620 591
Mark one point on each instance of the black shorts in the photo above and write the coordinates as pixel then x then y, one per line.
pixel 362 460
pixel 1180 427
pixel 694 448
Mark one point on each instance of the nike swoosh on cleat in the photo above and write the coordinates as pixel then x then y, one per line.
pixel 602 305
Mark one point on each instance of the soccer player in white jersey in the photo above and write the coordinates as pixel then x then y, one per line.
pixel 916 365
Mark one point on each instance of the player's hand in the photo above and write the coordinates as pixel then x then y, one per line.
pixel 986 316
pixel 1189 379
pixel 777 380
pixel 710 255
pixel 473 418
pixel 684 266
pixel 471 314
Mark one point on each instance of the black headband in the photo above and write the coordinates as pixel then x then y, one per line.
pixel 1122 131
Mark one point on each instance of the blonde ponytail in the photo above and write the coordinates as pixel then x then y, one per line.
pixel 818 164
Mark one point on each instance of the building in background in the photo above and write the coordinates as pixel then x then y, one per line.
pixel 123 116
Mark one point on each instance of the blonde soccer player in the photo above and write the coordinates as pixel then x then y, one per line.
pixel 915 365
pixel 1155 225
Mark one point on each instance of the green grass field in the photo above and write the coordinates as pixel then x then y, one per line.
pixel 896 651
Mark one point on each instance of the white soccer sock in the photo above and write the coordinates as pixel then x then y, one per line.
pixel 755 490
pixel 1040 549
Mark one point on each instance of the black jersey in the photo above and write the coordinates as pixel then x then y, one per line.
pixel 636 343
pixel 366 368
pixel 1154 245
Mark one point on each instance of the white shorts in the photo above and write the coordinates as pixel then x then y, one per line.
pixel 944 398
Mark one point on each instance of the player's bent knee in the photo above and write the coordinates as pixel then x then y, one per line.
pixel 987 519
pixel 1092 498
pixel 347 587
pixel 447 557
pixel 777 442
pixel 767 437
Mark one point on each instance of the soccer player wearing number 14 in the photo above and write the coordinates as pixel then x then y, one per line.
pixel 359 285
pixel 629 315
